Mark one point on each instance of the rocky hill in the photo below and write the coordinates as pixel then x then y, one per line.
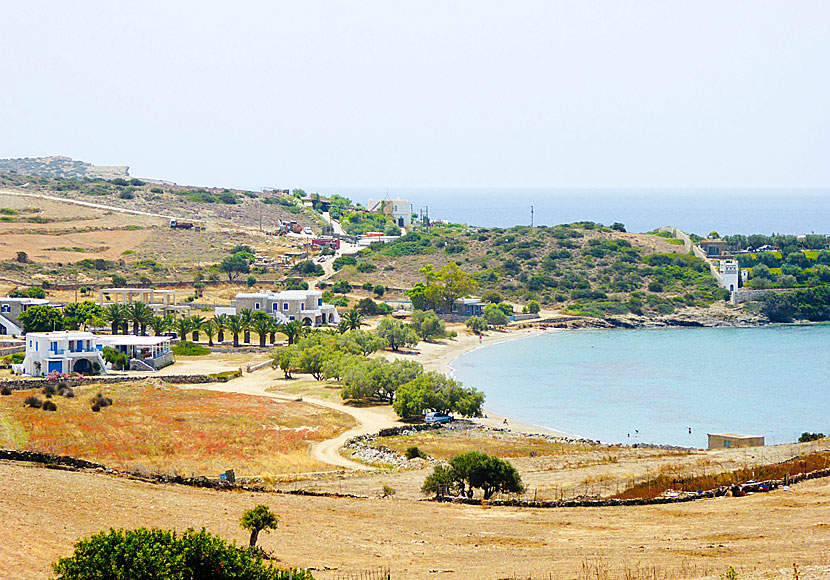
pixel 62 167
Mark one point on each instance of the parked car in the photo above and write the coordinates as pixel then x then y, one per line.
pixel 436 417
pixel 307 231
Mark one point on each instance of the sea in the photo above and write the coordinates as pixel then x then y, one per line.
pixel 662 386
pixel 699 211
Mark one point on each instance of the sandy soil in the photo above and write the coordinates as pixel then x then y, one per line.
pixel 416 539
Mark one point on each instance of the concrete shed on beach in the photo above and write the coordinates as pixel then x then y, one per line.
pixel 729 440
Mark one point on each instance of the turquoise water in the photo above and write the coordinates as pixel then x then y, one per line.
pixel 651 386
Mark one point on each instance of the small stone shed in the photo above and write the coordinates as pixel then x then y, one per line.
pixel 729 440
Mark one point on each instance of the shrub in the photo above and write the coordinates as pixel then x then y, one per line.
pixel 5 391
pixel 126 195
pixel 807 437
pixel 379 290
pixel 366 267
pixel 101 401
pixel 49 406
pixel 187 348
pixel 154 554
pixel 387 491
pixel 414 453
pixel 33 402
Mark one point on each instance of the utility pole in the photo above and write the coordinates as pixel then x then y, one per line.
pixel 531 216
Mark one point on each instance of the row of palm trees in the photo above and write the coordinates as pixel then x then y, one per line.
pixel 141 316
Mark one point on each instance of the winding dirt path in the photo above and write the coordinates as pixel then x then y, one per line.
pixel 369 420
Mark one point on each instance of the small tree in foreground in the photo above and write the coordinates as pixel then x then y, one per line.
pixel 474 470
pixel 258 519
pixel 162 555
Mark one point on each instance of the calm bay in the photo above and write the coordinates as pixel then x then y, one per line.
pixel 654 385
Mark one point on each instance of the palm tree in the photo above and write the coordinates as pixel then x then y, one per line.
pixel 235 324
pixel 140 315
pixel 353 319
pixel 221 322
pixel 262 326
pixel 159 324
pixel 292 330
pixel 115 314
pixel 247 316
pixel 275 327
pixel 182 326
pixel 209 328
pixel 196 324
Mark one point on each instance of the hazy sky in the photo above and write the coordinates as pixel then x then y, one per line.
pixel 428 93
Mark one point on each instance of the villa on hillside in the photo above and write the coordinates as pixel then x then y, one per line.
pixel 161 301
pixel 303 305
pixel 80 352
pixel 714 248
pixel 10 311
pixel 468 307
pixel 399 210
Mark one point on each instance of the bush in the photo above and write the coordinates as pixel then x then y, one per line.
pixel 379 290
pixel 50 406
pixel 366 267
pixel 414 453
pixel 162 555
pixel 117 359
pixel 101 401
pixel 49 390
pixel 187 348
pixel 5 391
pixel 807 437
pixel 33 402
pixel 474 470
pixel 126 195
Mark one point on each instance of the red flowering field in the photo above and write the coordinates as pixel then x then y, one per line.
pixel 166 429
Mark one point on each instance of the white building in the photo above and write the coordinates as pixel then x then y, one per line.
pixel 161 301
pixel 399 209
pixel 62 352
pixel 728 273
pixel 80 352
pixel 303 305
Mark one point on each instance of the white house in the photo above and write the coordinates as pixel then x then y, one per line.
pixel 399 209
pixel 62 352
pixel 81 352
pixel 146 353
pixel 728 273
pixel 303 305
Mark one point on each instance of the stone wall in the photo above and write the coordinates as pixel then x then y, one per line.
pixel 746 295
pixel 36 383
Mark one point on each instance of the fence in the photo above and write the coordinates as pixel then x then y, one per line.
pixel 381 573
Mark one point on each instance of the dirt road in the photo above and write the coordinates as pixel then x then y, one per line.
pixel 84 203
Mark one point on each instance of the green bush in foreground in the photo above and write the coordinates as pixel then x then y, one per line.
pixel 162 555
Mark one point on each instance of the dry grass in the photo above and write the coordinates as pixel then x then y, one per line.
pixel 173 430
pixel 446 444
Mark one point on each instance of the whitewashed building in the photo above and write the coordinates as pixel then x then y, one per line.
pixel 398 209
pixel 62 352
pixel 303 305
pixel 10 311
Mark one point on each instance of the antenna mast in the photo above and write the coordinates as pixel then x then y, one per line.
pixel 531 216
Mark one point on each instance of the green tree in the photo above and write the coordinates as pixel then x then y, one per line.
pixel 221 322
pixel 477 324
pixel 161 324
pixel 440 482
pixel 117 359
pixel 367 342
pixel 183 326
pixel 152 554
pixel 262 324
pixel 378 378
pixel 41 318
pixel 116 314
pixel 445 286
pixel 209 328
pixel 427 325
pixel 396 334
pixel 140 315
pixel 234 265
pixel 256 520
pixel 196 324
pixel 477 470
pixel 312 360
pixel 283 359
pixel 235 325
pixel 247 317
pixel 532 307
pixel 77 313
pixel 494 315
pixel 353 319
pixel 436 392
pixel 292 331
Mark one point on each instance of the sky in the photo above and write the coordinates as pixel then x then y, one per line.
pixel 389 94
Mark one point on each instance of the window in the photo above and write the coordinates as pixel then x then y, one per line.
pixel 275 307
pixel 319 302
pixel 285 307
pixel 291 317
pixel 256 305
pixel 5 308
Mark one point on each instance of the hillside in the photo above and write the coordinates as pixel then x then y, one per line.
pixel 62 167
pixel 584 267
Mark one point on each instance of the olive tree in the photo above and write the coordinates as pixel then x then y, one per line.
pixel 256 520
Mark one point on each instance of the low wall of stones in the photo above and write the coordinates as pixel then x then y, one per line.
pixel 36 383
pixel 753 487
pixel 12 349
pixel 744 295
